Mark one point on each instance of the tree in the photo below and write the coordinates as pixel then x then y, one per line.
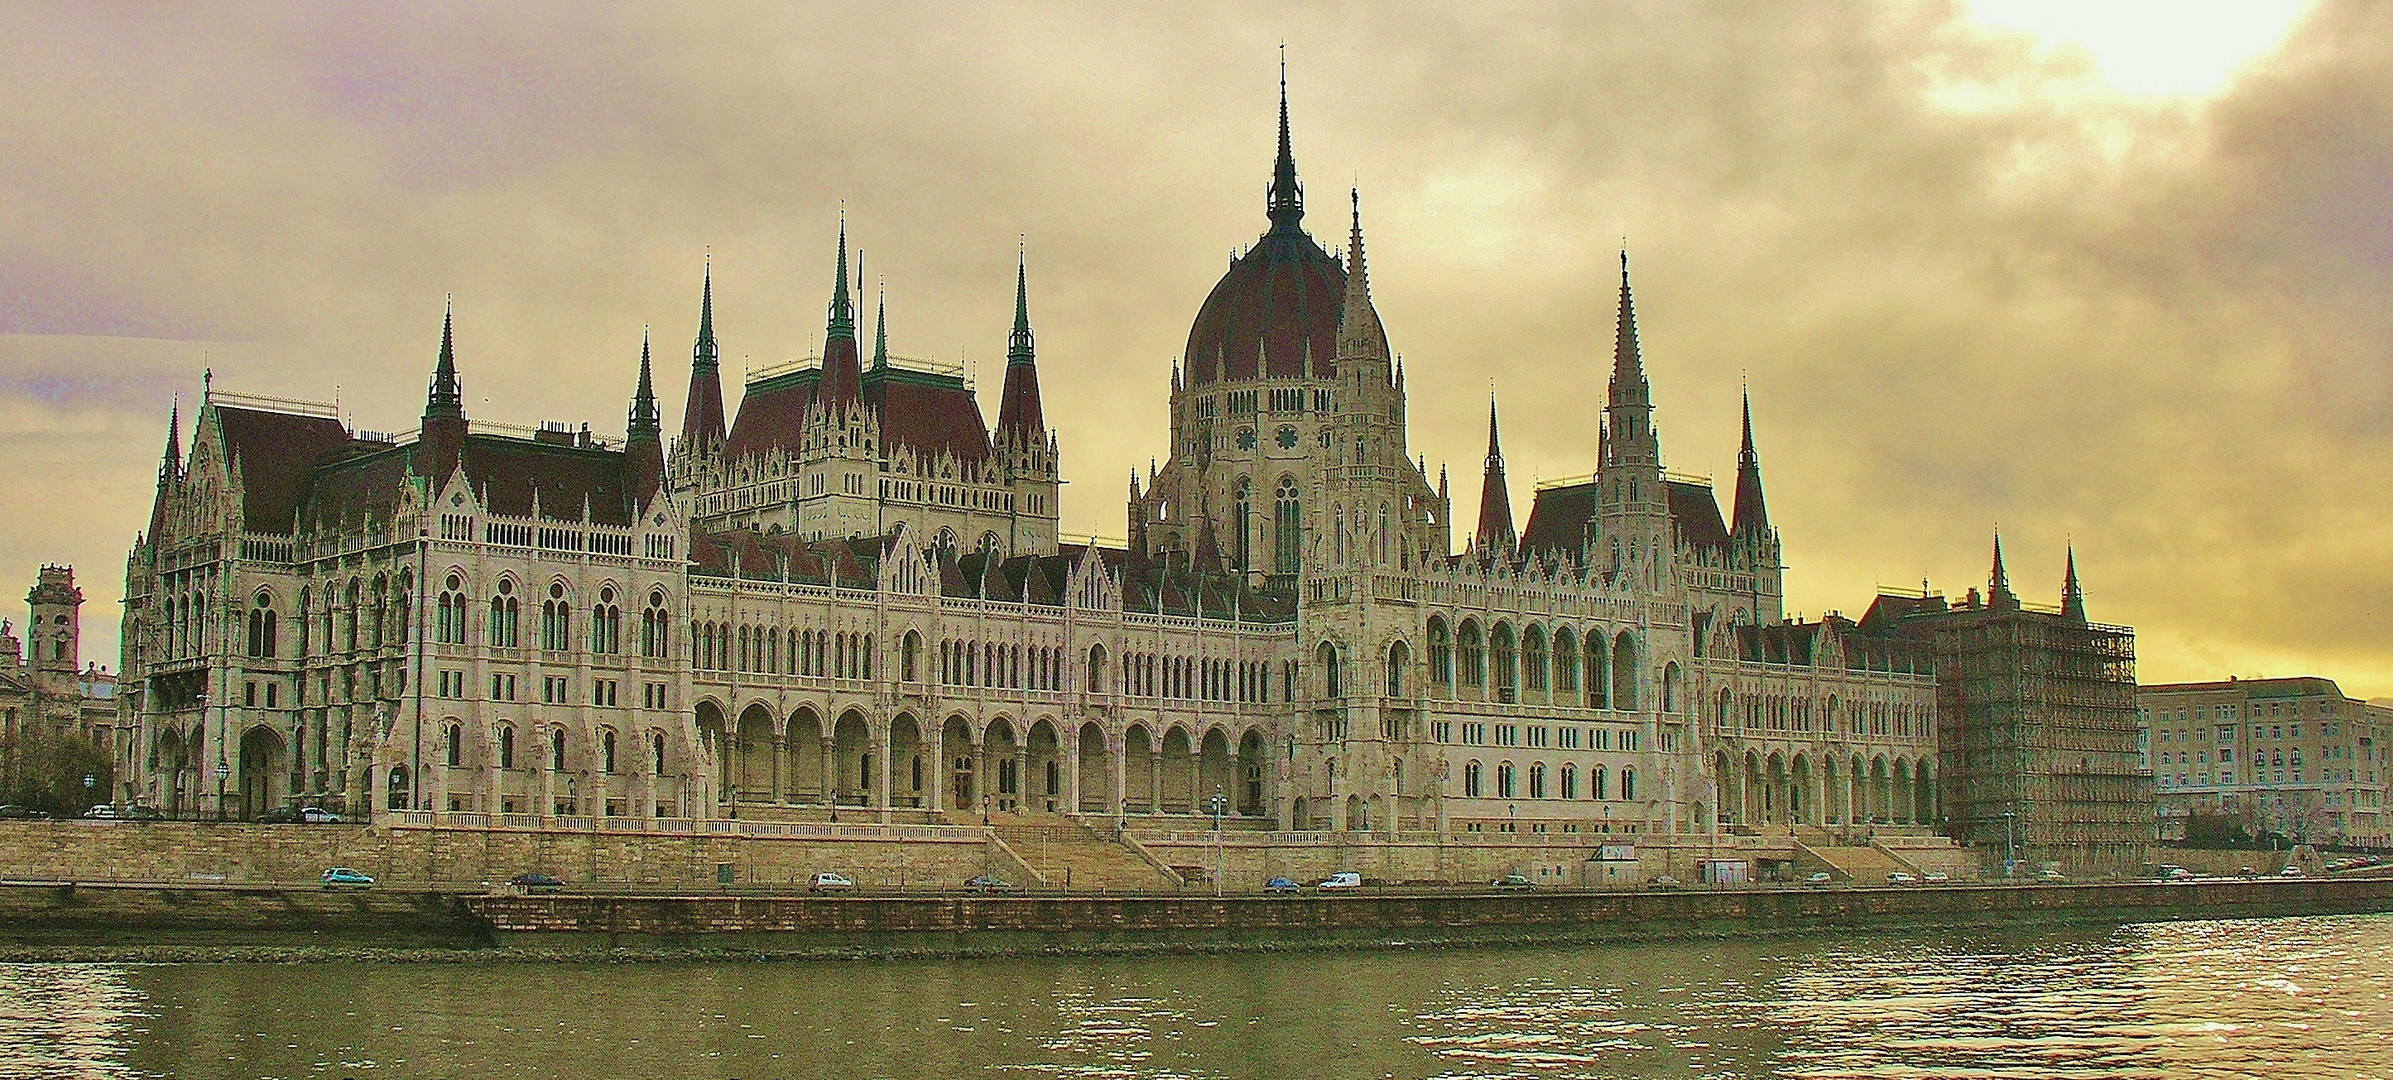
pixel 48 773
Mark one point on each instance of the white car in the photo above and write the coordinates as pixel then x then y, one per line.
pixel 1344 879
pixel 829 881
pixel 1901 878
pixel 1936 877
pixel 2291 870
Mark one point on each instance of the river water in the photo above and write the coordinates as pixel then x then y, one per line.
pixel 2286 999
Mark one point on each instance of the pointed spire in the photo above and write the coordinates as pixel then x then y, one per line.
pixel 2073 597
pixel 1286 206
pixel 446 399
pixel 1495 497
pixel 1628 365
pixel 172 465
pixel 880 331
pixel 1020 419
pixel 643 443
pixel 1360 335
pixel 1998 589
pixel 702 426
pixel 843 316
pixel 843 378
pixel 1208 550
pixel 1751 518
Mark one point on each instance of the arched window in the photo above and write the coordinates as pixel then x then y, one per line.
pixel 1384 534
pixel 1244 518
pixel 1287 527
pixel 506 746
pixel 556 620
pixel 1596 784
pixel 910 645
pixel 1537 780
pixel 1473 660
pixel 656 751
pixel 606 751
pixel 1096 669
pixel 1441 655
pixel 300 621
pixel 556 749
pixel 1599 672
pixel 1504 780
pixel 504 616
pixel 1670 687
pixel 606 624
pixel 656 641
pixel 453 752
pixel 1470 780
pixel 1570 782
pixel 1566 668
pixel 1337 517
pixel 1533 666
pixel 398 789
pixel 1398 657
pixel 1628 785
pixel 1507 664
pixel 448 613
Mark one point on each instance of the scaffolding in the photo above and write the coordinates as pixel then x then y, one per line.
pixel 2036 739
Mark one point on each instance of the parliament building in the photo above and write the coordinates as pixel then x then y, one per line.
pixel 849 599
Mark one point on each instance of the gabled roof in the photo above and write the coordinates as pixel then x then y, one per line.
pixel 1558 520
pixel 1697 515
pixel 927 413
pixel 772 413
pixel 277 452
pixel 506 472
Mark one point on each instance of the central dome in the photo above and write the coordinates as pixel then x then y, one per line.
pixel 1279 303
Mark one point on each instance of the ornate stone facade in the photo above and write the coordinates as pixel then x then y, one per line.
pixel 853 597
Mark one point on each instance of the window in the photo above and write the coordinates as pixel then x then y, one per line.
pixel 1595 784
pixel 503 611
pixel 1628 785
pixel 1397 658
pixel 556 749
pixel 656 750
pixel 1470 780
pixel 452 684
pixel 1473 662
pixel 1537 780
pixel 1504 780
pixel 552 690
pixel 453 750
pixel 448 613
pixel 1441 654
pixel 506 746
pixel 602 691
pixel 556 620
pixel 1287 525
pixel 652 695
pixel 655 641
pixel 1570 782
pixel 606 622
pixel 502 687
pixel 606 751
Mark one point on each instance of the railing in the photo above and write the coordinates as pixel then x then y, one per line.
pixel 792 830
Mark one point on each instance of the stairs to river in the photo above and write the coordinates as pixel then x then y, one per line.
pixel 1067 855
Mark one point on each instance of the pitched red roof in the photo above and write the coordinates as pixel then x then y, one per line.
pixel 773 412
pixel 1558 520
pixel 927 413
pixel 1697 515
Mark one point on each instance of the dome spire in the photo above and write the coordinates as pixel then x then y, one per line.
pixel 1286 207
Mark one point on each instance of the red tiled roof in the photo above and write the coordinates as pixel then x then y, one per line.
pixel 772 413
pixel 506 472
pixel 1697 515
pixel 1558 520
pixel 928 415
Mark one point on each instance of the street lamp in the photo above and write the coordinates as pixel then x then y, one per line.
pixel 89 781
pixel 2010 853
pixel 1220 802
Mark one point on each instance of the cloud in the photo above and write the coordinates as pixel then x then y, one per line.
pixel 1966 284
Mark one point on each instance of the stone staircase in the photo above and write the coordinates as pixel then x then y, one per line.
pixel 1066 854
pixel 1859 865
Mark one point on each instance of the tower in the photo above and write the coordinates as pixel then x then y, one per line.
pixel 1632 521
pixel 54 636
pixel 644 442
pixel 2073 598
pixel 702 430
pixel 1753 541
pixel 1025 448
pixel 442 437
pixel 843 376
pixel 1495 535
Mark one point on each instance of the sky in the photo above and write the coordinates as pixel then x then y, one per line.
pixel 2114 275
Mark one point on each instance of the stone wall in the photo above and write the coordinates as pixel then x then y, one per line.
pixel 1248 859
pixel 233 853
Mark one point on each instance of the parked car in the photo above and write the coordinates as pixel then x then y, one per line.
pixel 2052 875
pixel 310 815
pixel 2291 870
pixel 13 812
pixel 1901 878
pixel 1513 881
pixel 1819 877
pixel 535 882
pixel 1662 881
pixel 1343 879
pixel 341 877
pixel 1936 877
pixel 102 812
pixel 280 815
pixel 2244 871
pixel 1280 884
pixel 989 883
pixel 2176 873
pixel 143 813
pixel 830 881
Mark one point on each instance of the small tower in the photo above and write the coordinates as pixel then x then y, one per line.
pixel 1495 535
pixel 1998 584
pixel 442 437
pixel 644 440
pixel 1632 501
pixel 54 636
pixel 2073 598
pixel 842 387
pixel 702 430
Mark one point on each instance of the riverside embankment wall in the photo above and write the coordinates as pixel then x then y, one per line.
pixel 235 853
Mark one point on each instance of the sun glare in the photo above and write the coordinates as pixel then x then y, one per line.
pixel 2189 48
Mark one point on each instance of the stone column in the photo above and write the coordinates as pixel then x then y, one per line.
pixel 780 758
pixel 935 782
pixel 1071 755
pixel 1234 785
pixel 880 773
pixel 830 771
pixel 1022 785
pixel 1154 776
pixel 1117 745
